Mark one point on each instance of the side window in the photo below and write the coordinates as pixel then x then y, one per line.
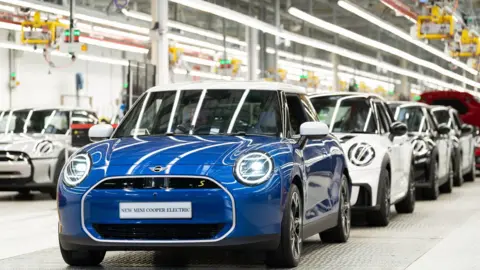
pixel 453 121
pixel 388 113
pixel 296 113
pixel 431 120
pixel 309 110
pixel 457 119
pixel 58 123
pixel 382 118
pixel 84 117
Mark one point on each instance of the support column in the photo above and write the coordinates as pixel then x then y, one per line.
pixel 277 39
pixel 464 85
pixel 160 41
pixel 404 86
pixel 252 57
pixel 336 81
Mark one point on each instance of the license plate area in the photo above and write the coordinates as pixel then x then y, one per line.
pixel 155 210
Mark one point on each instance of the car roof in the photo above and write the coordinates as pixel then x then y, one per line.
pixel 409 104
pixel 61 108
pixel 254 85
pixel 441 107
pixel 365 95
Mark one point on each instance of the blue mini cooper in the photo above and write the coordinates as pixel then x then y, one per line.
pixel 206 165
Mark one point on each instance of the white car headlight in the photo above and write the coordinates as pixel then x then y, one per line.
pixel 254 168
pixel 76 170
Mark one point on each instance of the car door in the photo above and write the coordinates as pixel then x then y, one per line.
pixel 466 142
pixel 399 150
pixel 441 141
pixel 316 161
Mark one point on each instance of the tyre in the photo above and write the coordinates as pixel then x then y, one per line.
pixel 448 186
pixel 381 217
pixel 407 204
pixel 458 174
pixel 470 177
pixel 56 175
pixel 433 191
pixel 82 257
pixel 288 253
pixel 341 232
pixel 24 192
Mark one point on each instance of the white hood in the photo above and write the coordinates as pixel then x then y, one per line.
pixel 379 145
pixel 35 145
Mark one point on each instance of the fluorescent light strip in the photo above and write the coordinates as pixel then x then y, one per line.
pixel 200 61
pixel 378 45
pixel 7 8
pixel 400 33
pixel 203 44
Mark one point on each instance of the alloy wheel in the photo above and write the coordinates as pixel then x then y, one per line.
pixel 296 225
pixel 346 209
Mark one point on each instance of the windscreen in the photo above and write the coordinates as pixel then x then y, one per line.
pixel 35 121
pixel 199 112
pixel 442 117
pixel 345 115
pixel 413 117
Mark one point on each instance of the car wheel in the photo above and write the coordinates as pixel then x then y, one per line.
pixel 381 217
pixel 448 186
pixel 288 253
pixel 82 257
pixel 56 175
pixel 470 177
pixel 407 204
pixel 433 191
pixel 458 174
pixel 24 192
pixel 341 232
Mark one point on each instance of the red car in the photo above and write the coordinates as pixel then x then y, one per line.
pixel 467 105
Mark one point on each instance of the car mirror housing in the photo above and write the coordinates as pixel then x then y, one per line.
pixel 314 129
pixel 467 129
pixel 443 129
pixel 398 129
pixel 100 132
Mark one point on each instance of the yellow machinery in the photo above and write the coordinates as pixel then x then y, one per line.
pixel 280 75
pixel 174 55
pixel 232 67
pixel 437 25
pixel 469 45
pixel 38 32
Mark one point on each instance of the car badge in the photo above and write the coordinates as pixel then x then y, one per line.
pixel 157 169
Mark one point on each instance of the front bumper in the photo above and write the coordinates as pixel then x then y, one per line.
pixel 33 174
pixel 247 215
pixel 365 184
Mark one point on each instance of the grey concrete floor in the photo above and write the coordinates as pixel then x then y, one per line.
pixel 442 234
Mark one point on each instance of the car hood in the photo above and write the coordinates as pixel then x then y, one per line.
pixel 28 143
pixel 379 144
pixel 175 150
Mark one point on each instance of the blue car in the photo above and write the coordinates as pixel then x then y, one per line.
pixel 206 165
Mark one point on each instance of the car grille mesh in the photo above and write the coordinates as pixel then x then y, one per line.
pixel 158 183
pixel 14 156
pixel 158 231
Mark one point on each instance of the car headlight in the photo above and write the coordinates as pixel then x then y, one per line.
pixel 419 147
pixel 254 168
pixel 76 170
pixel 361 154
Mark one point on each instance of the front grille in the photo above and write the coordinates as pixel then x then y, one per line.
pixel 158 231
pixel 14 156
pixel 158 183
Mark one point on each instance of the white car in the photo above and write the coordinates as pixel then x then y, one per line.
pixel 33 143
pixel 378 149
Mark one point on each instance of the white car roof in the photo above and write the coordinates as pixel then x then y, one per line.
pixel 62 108
pixel 345 94
pixel 254 85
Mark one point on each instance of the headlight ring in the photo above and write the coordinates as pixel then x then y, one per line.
pixel 253 168
pixel 76 170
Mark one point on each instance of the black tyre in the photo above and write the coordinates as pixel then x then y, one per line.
pixel 470 177
pixel 381 217
pixel 448 186
pixel 458 172
pixel 56 175
pixel 82 257
pixel 407 204
pixel 341 232
pixel 433 191
pixel 288 253
pixel 24 192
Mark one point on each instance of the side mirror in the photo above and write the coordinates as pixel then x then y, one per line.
pixel 398 129
pixel 467 129
pixel 314 129
pixel 100 132
pixel 443 129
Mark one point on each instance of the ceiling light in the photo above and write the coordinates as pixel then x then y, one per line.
pixel 378 45
pixel 400 33
pixel 7 8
